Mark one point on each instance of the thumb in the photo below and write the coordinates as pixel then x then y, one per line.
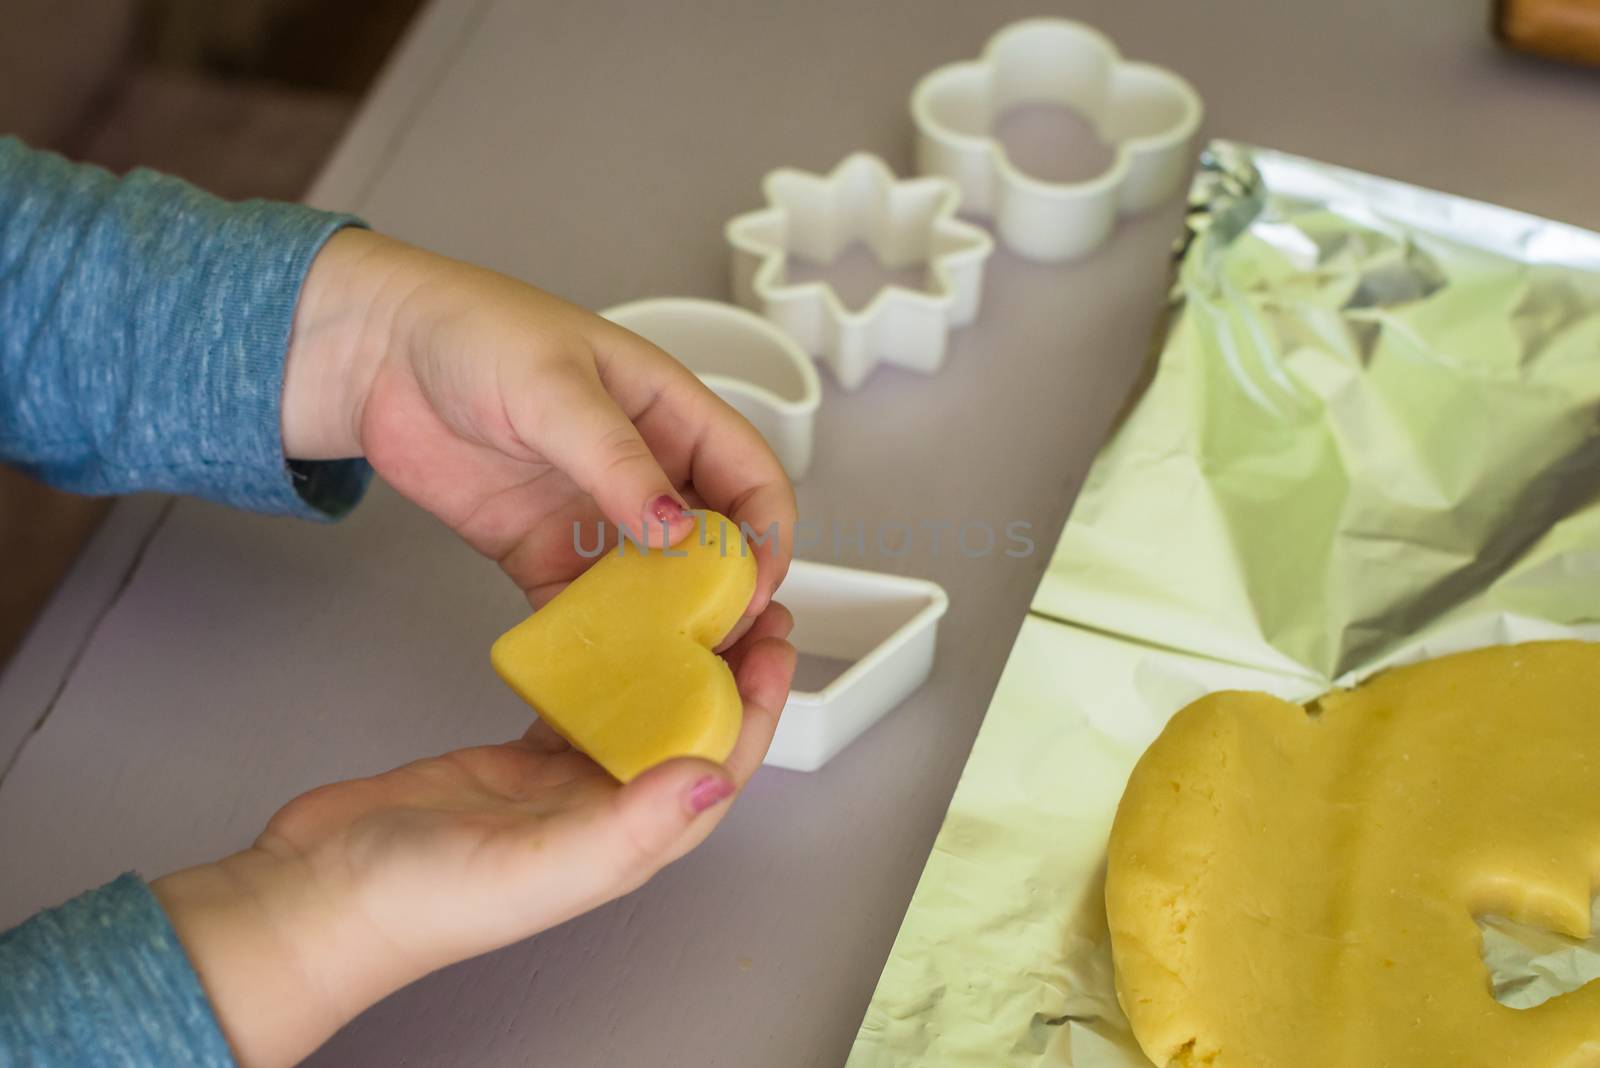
pixel 657 811
pixel 585 434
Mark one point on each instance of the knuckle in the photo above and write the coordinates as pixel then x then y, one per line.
pixel 638 855
pixel 621 446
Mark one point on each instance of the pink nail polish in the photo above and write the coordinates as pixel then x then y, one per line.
pixel 666 510
pixel 707 792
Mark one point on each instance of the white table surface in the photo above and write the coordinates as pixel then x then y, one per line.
pixel 200 667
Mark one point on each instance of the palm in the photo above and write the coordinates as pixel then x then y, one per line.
pixel 461 853
pixel 484 839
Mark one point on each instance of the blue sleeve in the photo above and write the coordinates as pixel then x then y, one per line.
pixel 103 980
pixel 143 329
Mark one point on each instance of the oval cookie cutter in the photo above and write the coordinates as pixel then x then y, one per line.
pixel 886 625
pixel 744 359
pixel 903 223
pixel 1148 113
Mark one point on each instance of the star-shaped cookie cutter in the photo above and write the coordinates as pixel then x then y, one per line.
pixel 1147 112
pixel 816 217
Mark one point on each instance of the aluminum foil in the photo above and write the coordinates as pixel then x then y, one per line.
pixel 1369 437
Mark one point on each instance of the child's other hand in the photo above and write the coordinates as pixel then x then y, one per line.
pixel 512 415
pixel 358 888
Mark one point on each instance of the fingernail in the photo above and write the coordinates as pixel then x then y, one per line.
pixel 707 792
pixel 666 510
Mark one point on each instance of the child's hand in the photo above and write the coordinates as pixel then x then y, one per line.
pixel 511 414
pixel 358 888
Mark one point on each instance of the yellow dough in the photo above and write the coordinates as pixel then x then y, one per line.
pixel 620 662
pixel 1296 887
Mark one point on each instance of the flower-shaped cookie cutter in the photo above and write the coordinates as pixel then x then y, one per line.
pixel 746 360
pixel 903 223
pixel 1148 113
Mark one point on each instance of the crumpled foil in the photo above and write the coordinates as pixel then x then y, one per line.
pixel 1369 437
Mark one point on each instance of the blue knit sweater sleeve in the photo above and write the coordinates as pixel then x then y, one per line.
pixel 143 329
pixel 103 980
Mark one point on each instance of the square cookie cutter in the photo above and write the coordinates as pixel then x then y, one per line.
pixel 744 359
pixel 886 624
pixel 1147 112
pixel 904 223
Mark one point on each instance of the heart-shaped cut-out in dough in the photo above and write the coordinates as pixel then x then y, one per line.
pixel 1298 886
pixel 620 662
pixel 1529 964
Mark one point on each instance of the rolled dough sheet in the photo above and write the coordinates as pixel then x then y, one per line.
pixel 1293 885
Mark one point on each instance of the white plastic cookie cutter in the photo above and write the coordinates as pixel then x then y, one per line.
pixel 746 361
pixel 885 624
pixel 903 223
pixel 1147 112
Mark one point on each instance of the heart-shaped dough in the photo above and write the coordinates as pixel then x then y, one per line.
pixel 1294 886
pixel 620 662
